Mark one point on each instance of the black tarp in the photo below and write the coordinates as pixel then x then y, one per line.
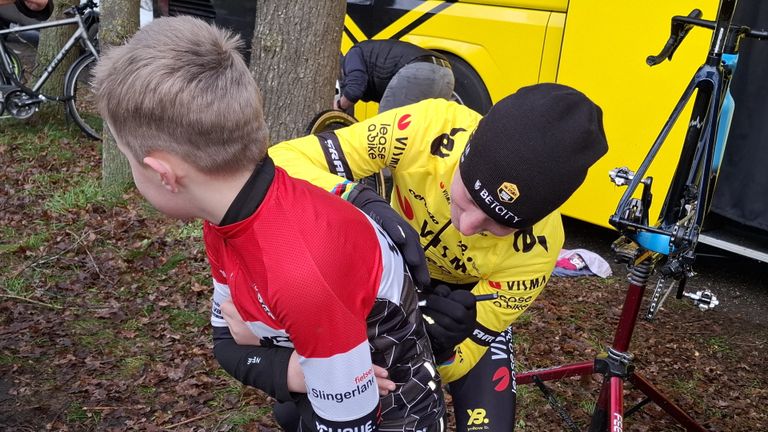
pixel 742 189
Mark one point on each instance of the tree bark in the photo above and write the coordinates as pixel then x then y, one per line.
pixel 119 21
pixel 295 61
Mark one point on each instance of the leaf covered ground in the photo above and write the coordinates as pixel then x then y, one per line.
pixel 104 307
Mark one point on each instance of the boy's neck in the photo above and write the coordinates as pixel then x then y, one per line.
pixel 215 194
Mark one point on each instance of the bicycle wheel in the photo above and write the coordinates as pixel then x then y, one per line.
pixel 81 104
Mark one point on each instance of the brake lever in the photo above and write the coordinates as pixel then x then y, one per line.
pixel 678 32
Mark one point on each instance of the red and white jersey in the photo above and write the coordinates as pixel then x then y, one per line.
pixel 306 270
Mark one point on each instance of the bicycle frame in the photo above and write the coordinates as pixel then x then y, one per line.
pixel 711 82
pixel 672 240
pixel 81 34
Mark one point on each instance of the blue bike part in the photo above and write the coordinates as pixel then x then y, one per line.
pixel 726 114
pixel 660 243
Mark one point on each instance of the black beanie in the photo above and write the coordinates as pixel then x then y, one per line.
pixel 531 152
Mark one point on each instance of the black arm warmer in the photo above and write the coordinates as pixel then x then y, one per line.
pixel 265 368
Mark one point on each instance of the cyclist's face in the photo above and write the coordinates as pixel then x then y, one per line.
pixel 467 217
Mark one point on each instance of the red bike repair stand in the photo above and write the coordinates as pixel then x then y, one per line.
pixel 616 366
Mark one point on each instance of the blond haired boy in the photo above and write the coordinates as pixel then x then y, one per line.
pixel 303 277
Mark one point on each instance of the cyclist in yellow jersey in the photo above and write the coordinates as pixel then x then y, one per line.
pixel 481 194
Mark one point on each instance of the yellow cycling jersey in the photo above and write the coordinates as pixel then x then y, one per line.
pixel 421 144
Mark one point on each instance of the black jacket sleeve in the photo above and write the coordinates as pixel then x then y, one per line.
pixel 265 368
pixel 355 75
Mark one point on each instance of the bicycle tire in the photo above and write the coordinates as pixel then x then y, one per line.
pixel 469 89
pixel 81 105
pixel 329 120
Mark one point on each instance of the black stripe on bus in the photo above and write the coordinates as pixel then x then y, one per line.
pixel 350 36
pixel 420 20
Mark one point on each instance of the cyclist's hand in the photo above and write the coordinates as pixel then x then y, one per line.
pixel 382 380
pixel 403 235
pixel 450 317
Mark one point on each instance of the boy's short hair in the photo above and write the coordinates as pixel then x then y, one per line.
pixel 180 85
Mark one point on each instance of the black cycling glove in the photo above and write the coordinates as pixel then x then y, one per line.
pixel 450 317
pixel 402 234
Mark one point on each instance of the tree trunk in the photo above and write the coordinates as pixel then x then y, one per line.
pixel 295 61
pixel 119 21
pixel 51 41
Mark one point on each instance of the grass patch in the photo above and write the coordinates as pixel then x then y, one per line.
pixel 133 365
pixel 7 232
pixel 18 287
pixel 77 414
pixel 186 231
pixel 138 251
pixel 686 387
pixel 147 390
pixel 181 319
pixel 48 180
pixel 248 415
pixel 525 318
pixel 587 406
pixel 36 240
pixel 78 197
pixel 719 344
pixel 171 263
pixel 8 359
pixel 97 335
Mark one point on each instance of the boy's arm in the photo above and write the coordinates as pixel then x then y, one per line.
pixel 265 368
pixel 240 331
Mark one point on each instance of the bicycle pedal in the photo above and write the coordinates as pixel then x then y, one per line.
pixel 704 300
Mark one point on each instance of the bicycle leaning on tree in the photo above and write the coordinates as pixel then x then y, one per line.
pixel 18 100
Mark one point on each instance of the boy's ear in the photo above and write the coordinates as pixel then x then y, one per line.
pixel 164 170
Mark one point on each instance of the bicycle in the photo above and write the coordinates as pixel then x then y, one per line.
pixel 669 244
pixel 21 102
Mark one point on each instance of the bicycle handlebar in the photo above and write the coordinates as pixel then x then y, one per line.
pixel 680 28
pixel 681 25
